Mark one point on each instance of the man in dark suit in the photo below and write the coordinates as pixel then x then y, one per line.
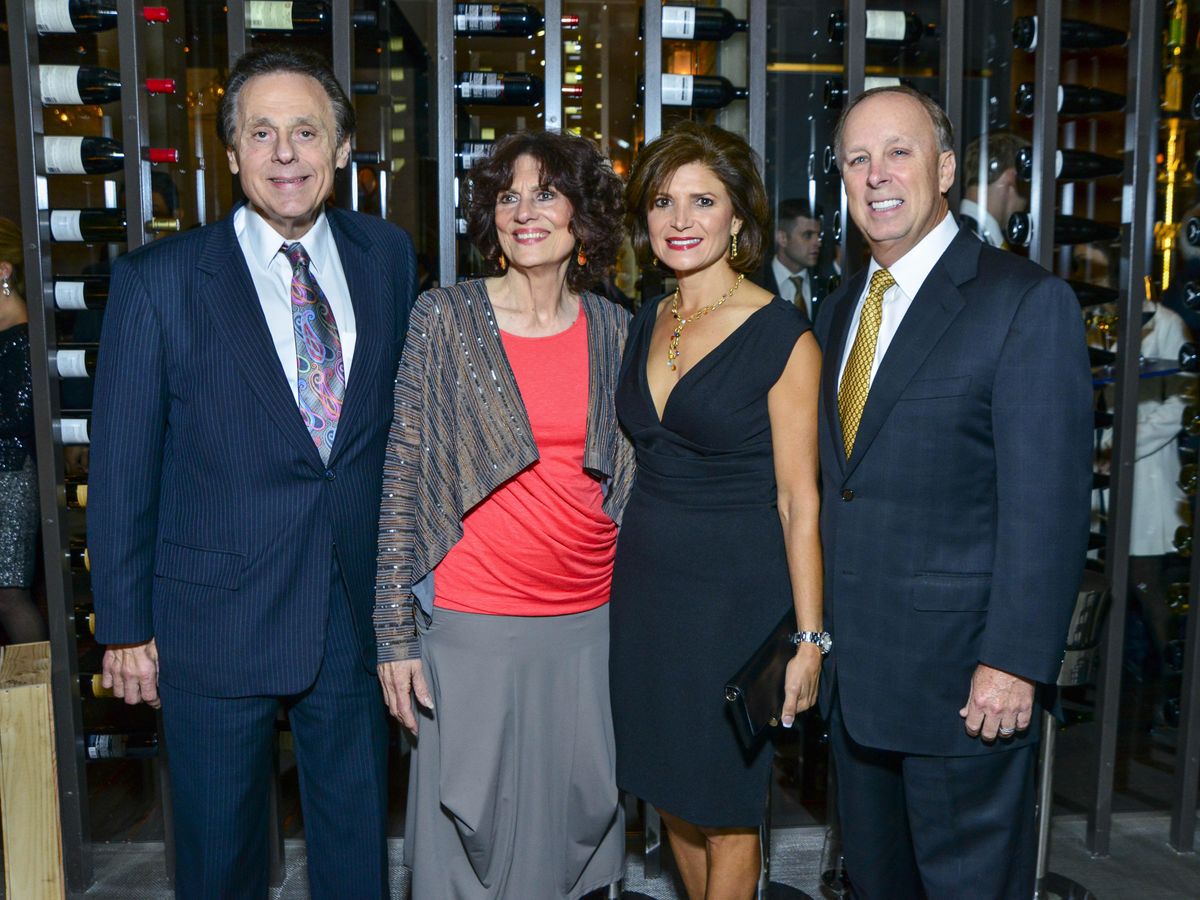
pixel 992 190
pixel 955 451
pixel 243 399
pixel 791 271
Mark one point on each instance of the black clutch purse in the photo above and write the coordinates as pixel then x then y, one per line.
pixel 755 692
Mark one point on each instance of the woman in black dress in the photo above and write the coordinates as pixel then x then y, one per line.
pixel 718 392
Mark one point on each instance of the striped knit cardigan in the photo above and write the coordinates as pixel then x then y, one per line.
pixel 460 430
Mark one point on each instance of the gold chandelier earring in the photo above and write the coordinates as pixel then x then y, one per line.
pixel 733 246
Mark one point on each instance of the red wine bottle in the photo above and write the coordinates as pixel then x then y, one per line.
pixel 88 225
pixel 76 155
pixel 498 88
pixel 85 621
pixel 111 745
pixel 700 23
pixel 77 553
pixel 1191 295
pixel 467 153
pixel 1072 165
pixel 699 91
pixel 835 88
pixel 1073 100
pixel 81 292
pixel 297 16
pixel 883 27
pixel 1067 230
pixel 73 85
pixel 74 428
pixel 82 16
pixel 502 19
pixel 75 362
pixel 1191 231
pixel 1074 34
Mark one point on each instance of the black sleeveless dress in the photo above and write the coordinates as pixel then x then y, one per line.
pixel 701 572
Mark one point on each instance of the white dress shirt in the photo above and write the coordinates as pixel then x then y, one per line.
pixel 272 276
pixel 910 272
pixel 787 287
pixel 990 231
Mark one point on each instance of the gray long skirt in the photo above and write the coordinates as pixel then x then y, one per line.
pixel 512 792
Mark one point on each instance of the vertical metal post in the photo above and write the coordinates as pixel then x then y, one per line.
pixel 652 51
pixel 135 130
pixel 235 27
pixel 953 76
pixel 447 203
pixel 854 64
pixel 344 184
pixel 1137 209
pixel 39 292
pixel 756 82
pixel 1187 750
pixel 552 105
pixel 1045 132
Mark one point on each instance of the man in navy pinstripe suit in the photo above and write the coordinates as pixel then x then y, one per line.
pixel 242 403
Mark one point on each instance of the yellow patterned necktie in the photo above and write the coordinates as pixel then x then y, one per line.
pixel 856 380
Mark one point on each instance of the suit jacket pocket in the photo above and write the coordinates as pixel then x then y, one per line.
pixel 933 388
pixel 952 591
pixel 195 565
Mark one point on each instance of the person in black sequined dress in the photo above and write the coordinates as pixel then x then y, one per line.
pixel 18 482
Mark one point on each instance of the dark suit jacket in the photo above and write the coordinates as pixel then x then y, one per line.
pixel 213 524
pixel 956 532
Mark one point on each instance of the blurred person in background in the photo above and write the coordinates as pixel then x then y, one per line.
pixel 994 192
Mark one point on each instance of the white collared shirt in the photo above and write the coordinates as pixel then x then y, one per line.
pixel 910 272
pixel 787 287
pixel 272 276
pixel 990 231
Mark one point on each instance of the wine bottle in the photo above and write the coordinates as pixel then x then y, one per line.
pixel 1196 106
pixel 75 494
pixel 1191 295
pixel 1074 34
pixel 1172 710
pixel 73 85
pixel 1191 231
pixel 883 27
pixel 1089 294
pixel 110 745
pixel 77 553
pixel 1183 540
pixel 366 157
pixel 699 91
pixel 1073 100
pixel 700 23
pixel 1067 230
pixel 85 621
pixel 160 155
pixel 76 155
pixel 1189 356
pixel 75 362
pixel 1189 477
pixel 162 225
pixel 82 16
pixel 502 19
pixel 835 88
pixel 91 686
pixel 297 16
pixel 82 292
pixel 498 88
pixel 1190 421
pixel 1071 165
pixel 96 225
pixel 1173 655
pixel 1177 598
pixel 75 429
pixel 364 87
pixel 467 153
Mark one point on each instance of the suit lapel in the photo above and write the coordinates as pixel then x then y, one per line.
pixel 366 281
pixel 237 314
pixel 931 313
pixel 834 349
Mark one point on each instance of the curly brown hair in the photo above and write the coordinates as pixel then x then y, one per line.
pixel 726 155
pixel 573 167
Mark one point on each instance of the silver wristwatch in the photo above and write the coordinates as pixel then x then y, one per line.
pixel 821 638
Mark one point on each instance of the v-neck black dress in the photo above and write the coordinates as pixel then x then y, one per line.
pixel 701 572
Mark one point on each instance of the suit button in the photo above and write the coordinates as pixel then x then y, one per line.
pixel 329 475
pixel 847 495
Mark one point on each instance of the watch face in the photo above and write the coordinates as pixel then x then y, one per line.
pixel 825 642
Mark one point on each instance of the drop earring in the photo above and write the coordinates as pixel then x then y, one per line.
pixel 502 262
pixel 5 288
pixel 581 257
pixel 733 246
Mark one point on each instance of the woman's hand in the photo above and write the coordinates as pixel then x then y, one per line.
pixel 401 682
pixel 800 682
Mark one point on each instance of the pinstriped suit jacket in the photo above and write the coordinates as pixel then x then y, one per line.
pixel 213 524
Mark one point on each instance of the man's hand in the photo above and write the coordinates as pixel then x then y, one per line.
pixel 401 682
pixel 999 704
pixel 131 671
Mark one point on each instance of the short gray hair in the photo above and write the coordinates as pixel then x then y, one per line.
pixel 275 60
pixel 942 129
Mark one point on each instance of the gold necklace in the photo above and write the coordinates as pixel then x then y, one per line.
pixel 673 346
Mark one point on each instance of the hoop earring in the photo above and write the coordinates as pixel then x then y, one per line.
pixel 502 262
pixel 581 257
pixel 733 247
